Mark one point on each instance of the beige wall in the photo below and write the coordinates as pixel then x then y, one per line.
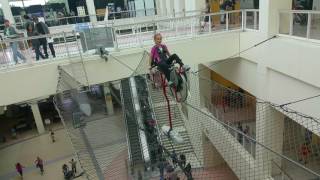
pixel 211 154
pixel 34 81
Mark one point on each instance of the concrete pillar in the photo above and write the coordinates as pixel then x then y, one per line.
pixel 163 7
pixel 212 157
pixel 108 99
pixel 269 15
pixel 67 6
pixel 169 7
pixel 204 86
pixel 37 117
pixel 7 11
pixel 91 10
pixel 190 5
pixel 200 4
pixel 179 6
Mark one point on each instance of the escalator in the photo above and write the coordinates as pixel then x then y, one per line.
pixel 135 151
pixel 148 117
pixel 142 131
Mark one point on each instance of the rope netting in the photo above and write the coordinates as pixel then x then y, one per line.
pixel 227 133
pixel 228 128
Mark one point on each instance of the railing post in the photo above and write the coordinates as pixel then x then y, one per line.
pixel 140 36
pixel 210 24
pixel 227 21
pixel 3 53
pixel 65 44
pixel 243 18
pixel 309 25
pixel 191 27
pixel 176 24
pixel 291 24
pixel 255 20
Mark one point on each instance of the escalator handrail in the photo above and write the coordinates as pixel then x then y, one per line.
pixel 126 124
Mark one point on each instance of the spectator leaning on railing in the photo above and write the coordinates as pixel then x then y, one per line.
pixel 11 33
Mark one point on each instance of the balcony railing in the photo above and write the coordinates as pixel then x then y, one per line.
pixel 58 21
pixel 127 35
pixel 302 24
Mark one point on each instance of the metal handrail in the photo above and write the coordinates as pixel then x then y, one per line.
pixel 126 126
pixel 300 11
pixel 282 170
pixel 117 26
pixel 163 20
pixel 307 21
pixel 141 133
pixel 180 18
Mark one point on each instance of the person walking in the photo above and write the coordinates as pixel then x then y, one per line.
pixel 11 33
pixel 39 164
pixel 43 29
pixel 206 18
pixel 19 169
pixel 52 136
pixel 73 166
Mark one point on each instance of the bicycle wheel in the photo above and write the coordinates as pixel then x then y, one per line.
pixel 183 91
pixel 179 89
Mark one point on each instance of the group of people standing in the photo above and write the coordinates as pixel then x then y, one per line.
pixel 66 172
pixel 35 27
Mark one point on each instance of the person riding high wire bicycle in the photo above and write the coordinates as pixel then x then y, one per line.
pixel 161 57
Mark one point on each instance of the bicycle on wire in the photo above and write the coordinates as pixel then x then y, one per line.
pixel 179 88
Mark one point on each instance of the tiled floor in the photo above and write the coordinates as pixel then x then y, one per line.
pixel 53 154
pixel 26 135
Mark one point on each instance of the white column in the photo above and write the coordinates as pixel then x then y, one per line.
pixel 149 4
pixel 269 15
pixel 190 5
pixel 67 6
pixel 200 4
pixel 163 5
pixel 37 117
pixel 179 6
pixel 169 7
pixel 7 11
pixel 91 10
pixel 108 99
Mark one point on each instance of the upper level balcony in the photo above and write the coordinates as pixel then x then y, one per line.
pixel 72 40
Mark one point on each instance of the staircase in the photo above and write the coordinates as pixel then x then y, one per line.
pixel 161 113
pixel 135 151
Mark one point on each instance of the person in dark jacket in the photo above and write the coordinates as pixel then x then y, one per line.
pixel 35 42
pixel 28 22
pixel 43 29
